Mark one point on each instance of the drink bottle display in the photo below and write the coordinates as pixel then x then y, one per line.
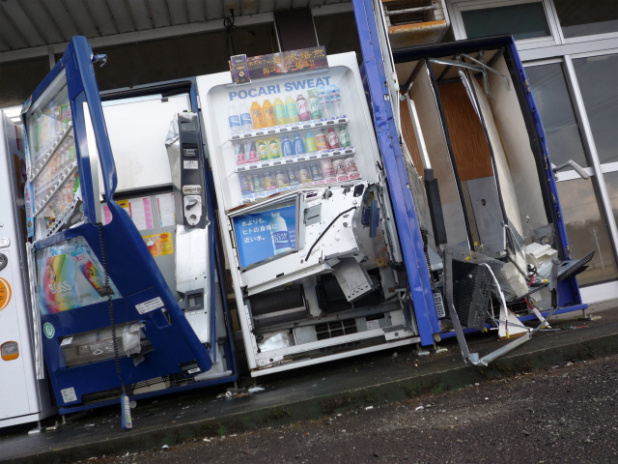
pixel 328 171
pixel 303 108
pixel 275 148
pixel 281 116
pixel 324 100
pixel 269 180
pixel 316 171
pixel 350 167
pixel 233 119
pixel 304 174
pixel 293 175
pixel 344 137
pixel 321 141
pixel 258 184
pixel 279 233
pixel 253 154
pixel 281 178
pixel 246 124
pixel 287 147
pixel 299 145
pixel 256 115
pixel 246 184
pixel 333 139
pixel 290 108
pixel 310 145
pixel 340 170
pixel 314 105
pixel 269 114
pixel 335 98
pixel 262 149
pixel 240 153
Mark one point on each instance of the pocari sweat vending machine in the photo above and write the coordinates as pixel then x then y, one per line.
pixel 24 390
pixel 306 218
pixel 118 314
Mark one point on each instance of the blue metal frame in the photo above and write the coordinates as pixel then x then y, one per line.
pixel 130 265
pixel 394 165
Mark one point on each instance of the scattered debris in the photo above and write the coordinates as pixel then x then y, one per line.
pixel 256 389
pixel 422 353
pixel 420 408
pixel 165 447
pixel 368 408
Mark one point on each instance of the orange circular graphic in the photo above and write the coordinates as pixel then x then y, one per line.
pixel 5 293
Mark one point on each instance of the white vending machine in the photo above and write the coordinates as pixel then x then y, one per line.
pixel 306 218
pixel 24 392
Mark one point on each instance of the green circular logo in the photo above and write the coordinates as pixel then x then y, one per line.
pixel 49 330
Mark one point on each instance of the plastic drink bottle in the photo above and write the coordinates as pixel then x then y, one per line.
pixel 350 167
pixel 310 145
pixel 328 171
pixel 344 137
pixel 258 184
pixel 281 178
pixel 246 124
pixel 303 108
pixel 290 108
pixel 324 99
pixel 321 141
pixel 269 114
pixel 262 150
pixel 304 173
pixel 287 148
pixel 340 170
pixel 335 99
pixel 253 155
pixel 269 180
pixel 281 116
pixel 333 139
pixel 275 148
pixel 246 186
pixel 314 105
pixel 299 145
pixel 316 171
pixel 279 233
pixel 240 153
pixel 256 115
pixel 233 119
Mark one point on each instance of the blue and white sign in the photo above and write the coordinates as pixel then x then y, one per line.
pixel 262 235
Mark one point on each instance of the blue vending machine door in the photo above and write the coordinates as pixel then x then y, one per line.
pixel 109 320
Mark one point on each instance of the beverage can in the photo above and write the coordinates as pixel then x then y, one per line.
pixel 246 184
pixel 304 174
pixel 314 105
pixel 340 170
pixel 275 148
pixel 321 141
pixel 269 180
pixel 258 183
pixel 293 175
pixel 262 150
pixel 281 178
pixel 303 108
pixel 316 171
pixel 333 139
pixel 350 167
pixel 310 143
pixel 299 145
pixel 328 171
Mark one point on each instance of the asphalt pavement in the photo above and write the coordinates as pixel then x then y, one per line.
pixel 311 393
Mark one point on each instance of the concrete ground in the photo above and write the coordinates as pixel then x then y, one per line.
pixel 311 393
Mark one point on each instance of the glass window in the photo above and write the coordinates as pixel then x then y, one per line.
pixel 554 104
pixel 579 18
pixel 523 21
pixel 587 230
pixel 598 78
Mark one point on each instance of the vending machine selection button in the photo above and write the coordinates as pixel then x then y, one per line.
pixel 4 242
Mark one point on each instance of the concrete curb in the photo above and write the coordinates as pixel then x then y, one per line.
pixel 322 406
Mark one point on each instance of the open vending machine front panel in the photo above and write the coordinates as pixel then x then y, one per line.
pixel 306 216
pixel 483 186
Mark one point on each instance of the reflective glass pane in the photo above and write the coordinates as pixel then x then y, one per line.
pixel 552 99
pixel 598 83
pixel 579 18
pixel 523 21
pixel 611 180
pixel 587 230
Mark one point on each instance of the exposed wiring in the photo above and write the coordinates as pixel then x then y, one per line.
pixel 326 229
pixel 499 289
pixel 230 28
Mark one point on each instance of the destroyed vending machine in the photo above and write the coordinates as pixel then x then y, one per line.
pixel 305 213
pixel 24 390
pixel 111 322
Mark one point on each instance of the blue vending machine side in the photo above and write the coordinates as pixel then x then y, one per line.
pixel 503 220
pixel 109 320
